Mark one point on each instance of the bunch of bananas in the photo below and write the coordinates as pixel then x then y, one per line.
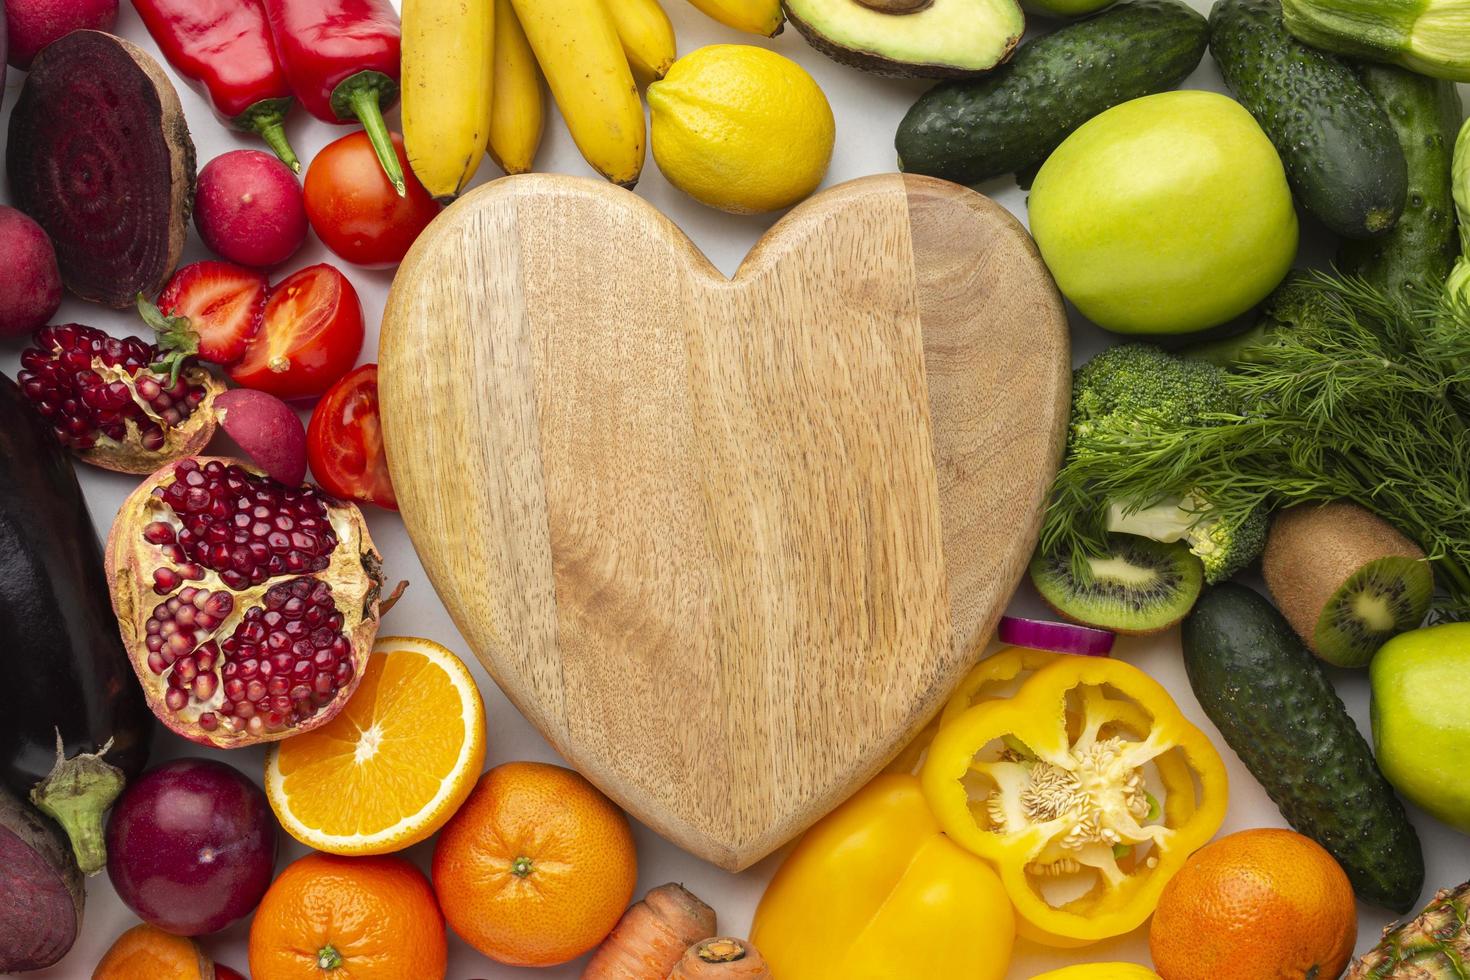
pixel 473 79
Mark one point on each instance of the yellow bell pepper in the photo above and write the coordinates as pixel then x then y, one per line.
pixel 875 892
pixel 985 682
pixel 1100 971
pixel 1058 786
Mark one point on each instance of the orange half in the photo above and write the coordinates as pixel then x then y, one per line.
pixel 394 765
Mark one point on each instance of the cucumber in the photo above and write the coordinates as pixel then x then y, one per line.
pixel 1273 703
pixel 1342 157
pixel 969 131
pixel 1415 258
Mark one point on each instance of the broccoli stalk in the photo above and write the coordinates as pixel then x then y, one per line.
pixel 1224 546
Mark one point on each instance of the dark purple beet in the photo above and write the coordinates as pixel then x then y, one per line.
pixel 191 846
pixel 40 890
pixel 100 156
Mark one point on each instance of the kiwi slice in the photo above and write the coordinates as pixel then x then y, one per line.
pixel 1345 579
pixel 1140 586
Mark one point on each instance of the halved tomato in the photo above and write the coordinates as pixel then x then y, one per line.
pixel 344 442
pixel 310 336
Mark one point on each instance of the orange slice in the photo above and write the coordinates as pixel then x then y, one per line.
pixel 397 762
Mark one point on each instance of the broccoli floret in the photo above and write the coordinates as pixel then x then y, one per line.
pixel 1117 388
pixel 1223 546
pixel 1113 387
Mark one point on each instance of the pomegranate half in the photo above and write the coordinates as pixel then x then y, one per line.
pixel 248 607
pixel 113 401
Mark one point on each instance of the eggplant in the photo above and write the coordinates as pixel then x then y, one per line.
pixel 73 722
pixel 41 893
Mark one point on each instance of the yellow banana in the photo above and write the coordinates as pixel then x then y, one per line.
pixel 647 36
pixel 763 17
pixel 578 49
pixel 448 72
pixel 517 106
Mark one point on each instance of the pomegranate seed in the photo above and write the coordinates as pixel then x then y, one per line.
pixel 175 699
pixel 158 533
pixel 204 686
pixel 209 721
pixel 165 580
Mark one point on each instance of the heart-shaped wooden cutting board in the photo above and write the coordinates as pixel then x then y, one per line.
pixel 726 543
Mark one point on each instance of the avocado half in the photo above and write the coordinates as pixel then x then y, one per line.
pixel 912 38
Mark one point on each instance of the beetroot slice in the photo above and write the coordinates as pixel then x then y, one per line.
pixel 100 156
pixel 41 891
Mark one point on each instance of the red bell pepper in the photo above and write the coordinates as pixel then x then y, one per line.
pixel 225 48
pixel 341 57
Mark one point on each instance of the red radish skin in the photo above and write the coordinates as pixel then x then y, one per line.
pixel 30 291
pixel 33 24
pixel 267 429
pixel 100 156
pixel 191 846
pixel 249 209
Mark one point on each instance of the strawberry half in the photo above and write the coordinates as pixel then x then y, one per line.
pixel 209 309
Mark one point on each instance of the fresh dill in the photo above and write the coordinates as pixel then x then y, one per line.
pixel 1351 395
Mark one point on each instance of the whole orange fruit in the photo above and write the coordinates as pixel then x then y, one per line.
pixel 537 866
pixel 1256 905
pixel 364 918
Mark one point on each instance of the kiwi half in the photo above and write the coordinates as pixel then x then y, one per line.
pixel 1140 586
pixel 1345 579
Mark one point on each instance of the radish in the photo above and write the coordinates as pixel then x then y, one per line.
pixel 33 24
pixel 268 430
pixel 30 290
pixel 100 156
pixel 249 209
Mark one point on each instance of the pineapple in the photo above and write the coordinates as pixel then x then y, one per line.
pixel 1434 946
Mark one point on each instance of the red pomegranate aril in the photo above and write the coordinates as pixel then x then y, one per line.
pixel 165 580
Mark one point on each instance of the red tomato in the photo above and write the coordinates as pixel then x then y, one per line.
pixel 344 442
pixel 310 335
pixel 356 211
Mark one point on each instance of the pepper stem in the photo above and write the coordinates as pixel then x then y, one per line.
pixel 267 119
pixel 76 793
pixel 363 97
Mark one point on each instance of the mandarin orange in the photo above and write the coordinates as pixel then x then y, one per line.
pixel 1262 904
pixel 364 918
pixel 537 866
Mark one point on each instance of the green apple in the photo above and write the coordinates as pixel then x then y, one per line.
pixel 1421 718
pixel 1165 215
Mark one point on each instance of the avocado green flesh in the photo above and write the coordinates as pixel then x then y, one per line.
pixel 967 35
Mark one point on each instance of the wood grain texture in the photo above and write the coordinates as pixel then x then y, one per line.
pixel 727 543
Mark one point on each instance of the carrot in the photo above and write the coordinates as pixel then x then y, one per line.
pixel 721 959
pixel 651 936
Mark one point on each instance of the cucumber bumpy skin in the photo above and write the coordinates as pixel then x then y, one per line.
pixel 1010 121
pixel 1276 707
pixel 1342 157
pixel 1415 258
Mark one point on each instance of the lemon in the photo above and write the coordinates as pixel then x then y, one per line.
pixel 741 128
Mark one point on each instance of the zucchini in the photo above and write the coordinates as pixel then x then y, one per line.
pixel 1342 157
pixel 1274 705
pixel 1414 258
pixel 969 131
pixel 1428 37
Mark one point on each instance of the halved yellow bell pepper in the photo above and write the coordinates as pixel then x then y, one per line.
pixel 1056 787
pixel 875 892
pixel 1100 971
pixel 986 680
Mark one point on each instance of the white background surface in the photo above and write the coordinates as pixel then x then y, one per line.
pixel 867 110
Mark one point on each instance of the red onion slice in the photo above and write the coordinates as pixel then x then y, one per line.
pixel 1056 637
